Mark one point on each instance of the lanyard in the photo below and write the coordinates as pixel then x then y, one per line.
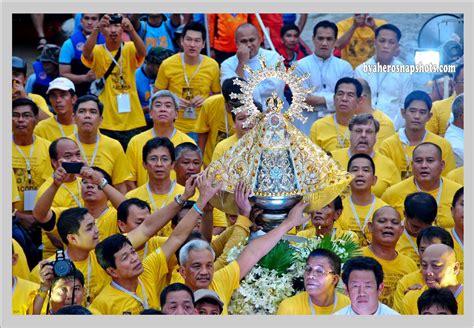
pixel 83 152
pixel 440 189
pixel 226 123
pixel 120 59
pixel 89 271
pixel 456 236
pixel 362 228
pixel 153 133
pixel 78 202
pixel 458 291
pixel 173 185
pixel 143 301
pixel 320 67
pixel 186 79
pixel 60 126
pixel 311 305
pixel 411 241
pixel 27 159
pixel 405 142
pixel 14 285
pixel 341 142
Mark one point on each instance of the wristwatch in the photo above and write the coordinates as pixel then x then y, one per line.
pixel 180 201
pixel 103 183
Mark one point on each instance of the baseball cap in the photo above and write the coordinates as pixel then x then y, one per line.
pixel 202 294
pixel 19 64
pixel 61 83
pixel 50 53
pixel 156 55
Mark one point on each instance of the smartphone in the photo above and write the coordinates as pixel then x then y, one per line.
pixel 74 167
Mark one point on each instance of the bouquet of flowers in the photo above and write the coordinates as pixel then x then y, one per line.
pixel 279 274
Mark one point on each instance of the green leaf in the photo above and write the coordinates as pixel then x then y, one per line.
pixel 280 258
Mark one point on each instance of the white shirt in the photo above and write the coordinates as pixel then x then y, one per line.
pixel 455 136
pixel 323 76
pixel 264 89
pixel 381 310
pixel 389 90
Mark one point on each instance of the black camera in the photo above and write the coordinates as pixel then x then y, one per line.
pixel 62 266
pixel 115 19
pixel 72 167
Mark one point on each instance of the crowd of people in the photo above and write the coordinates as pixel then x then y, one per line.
pixel 113 130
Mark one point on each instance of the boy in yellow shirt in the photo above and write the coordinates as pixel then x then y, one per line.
pixel 457 211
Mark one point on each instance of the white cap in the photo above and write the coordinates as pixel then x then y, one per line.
pixel 61 83
pixel 207 294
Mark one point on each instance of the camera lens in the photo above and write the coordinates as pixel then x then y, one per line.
pixel 61 268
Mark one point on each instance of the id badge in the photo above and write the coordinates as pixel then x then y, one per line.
pixel 190 113
pixel 29 197
pixel 123 103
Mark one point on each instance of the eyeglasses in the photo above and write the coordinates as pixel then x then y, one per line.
pixel 26 115
pixel 156 159
pixel 318 271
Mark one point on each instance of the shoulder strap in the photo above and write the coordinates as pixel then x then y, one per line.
pixel 112 64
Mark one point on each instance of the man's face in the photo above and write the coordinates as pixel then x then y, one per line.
pixel 50 68
pixel 62 101
pixel 136 216
pixel 414 226
pixel 90 192
pixel 23 121
pixel 182 213
pixel 438 266
pixel 155 19
pixel 386 46
pixel 416 115
pixel 127 262
pixel 208 308
pixel 151 69
pixel 424 243
pixel 87 117
pixel 345 98
pixel 386 227
pixel 113 32
pixel 363 291
pixel 319 277
pixel 68 151
pixel 427 164
pixel 193 43
pixel 158 163
pixel 325 217
pixel 163 110
pixel 290 39
pixel 186 165
pixel 89 22
pixel 198 270
pixel 88 235
pixel 435 309
pixel 459 83
pixel 364 177
pixel 179 303
pixel 248 36
pixel 324 42
pixel 18 76
pixel 458 213
pixel 239 121
pixel 363 138
pixel 61 293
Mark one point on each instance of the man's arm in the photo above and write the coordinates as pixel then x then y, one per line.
pixel 135 20
pixel 137 40
pixel 42 210
pixel 262 245
pixel 202 140
pixel 315 100
pixel 87 50
pixel 344 40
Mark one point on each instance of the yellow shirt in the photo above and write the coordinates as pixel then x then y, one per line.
pixel 458 247
pixel 110 157
pixel 15 194
pixel 223 146
pixel 457 175
pixel 225 282
pixel 114 301
pixel 95 278
pixel 40 167
pixel 328 136
pixel 395 150
pixel 23 295
pixel 50 129
pixel 410 305
pixel 21 269
pixel 395 196
pixel 299 305
pixel 393 271
pixel 41 103
pixel 348 221
pixel 212 120
pixel 441 110
pixel 203 79
pixel 107 223
pixel 157 201
pixel 406 245
pixel 361 45
pixel 68 195
pixel 337 234
pixel 129 61
pixel 135 153
pixel 386 127
pixel 385 170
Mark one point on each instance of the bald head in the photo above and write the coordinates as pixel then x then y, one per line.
pixel 365 88
pixel 386 210
pixel 246 28
pixel 428 146
pixel 439 266
pixel 440 251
